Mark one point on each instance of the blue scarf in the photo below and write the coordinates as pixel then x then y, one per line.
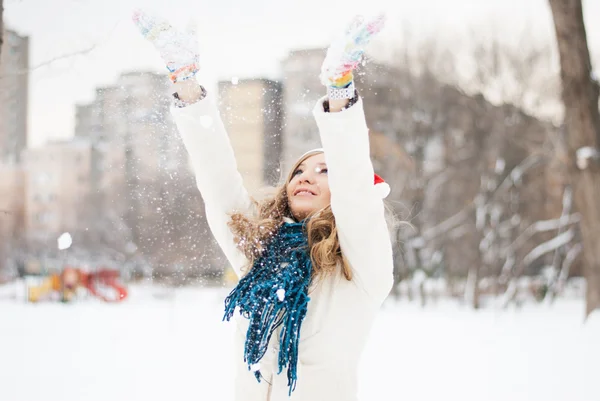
pixel 274 293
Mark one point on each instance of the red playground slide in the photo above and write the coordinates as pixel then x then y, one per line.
pixel 107 278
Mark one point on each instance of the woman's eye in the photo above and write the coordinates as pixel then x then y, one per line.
pixel 322 170
pixel 298 171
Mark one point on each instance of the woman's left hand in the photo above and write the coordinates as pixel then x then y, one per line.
pixel 344 55
pixel 179 50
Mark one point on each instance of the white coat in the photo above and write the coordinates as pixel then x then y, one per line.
pixel 340 312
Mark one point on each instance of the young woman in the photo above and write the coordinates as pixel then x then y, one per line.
pixel 315 260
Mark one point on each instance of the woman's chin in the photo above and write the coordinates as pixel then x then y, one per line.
pixel 300 213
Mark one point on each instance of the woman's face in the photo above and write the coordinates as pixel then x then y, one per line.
pixel 308 189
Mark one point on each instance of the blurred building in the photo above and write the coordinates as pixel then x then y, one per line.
pixel 14 76
pixel 57 187
pixel 253 116
pixel 131 129
pixel 12 211
pixel 135 147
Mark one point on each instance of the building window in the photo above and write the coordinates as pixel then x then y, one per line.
pixel 44 217
pixel 44 178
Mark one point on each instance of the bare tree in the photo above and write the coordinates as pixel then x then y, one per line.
pixel 482 163
pixel 580 91
pixel 1 24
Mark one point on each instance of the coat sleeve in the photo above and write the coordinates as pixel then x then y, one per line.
pixel 215 168
pixel 358 209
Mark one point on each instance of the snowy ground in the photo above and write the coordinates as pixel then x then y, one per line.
pixel 174 347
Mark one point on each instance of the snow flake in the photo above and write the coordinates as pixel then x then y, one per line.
pixel 64 241
pixel 584 154
pixel 281 294
pixel 500 166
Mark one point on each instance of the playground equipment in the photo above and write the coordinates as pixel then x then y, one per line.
pixel 66 284
pixel 49 285
pixel 102 283
pixel 107 278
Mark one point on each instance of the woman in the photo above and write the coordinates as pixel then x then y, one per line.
pixel 314 261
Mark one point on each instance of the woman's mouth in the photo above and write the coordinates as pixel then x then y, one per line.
pixel 303 192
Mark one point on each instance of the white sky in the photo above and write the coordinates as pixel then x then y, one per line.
pixel 238 38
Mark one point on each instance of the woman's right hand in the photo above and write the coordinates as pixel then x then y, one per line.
pixel 344 55
pixel 179 50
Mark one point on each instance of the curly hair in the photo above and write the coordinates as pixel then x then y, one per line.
pixel 253 231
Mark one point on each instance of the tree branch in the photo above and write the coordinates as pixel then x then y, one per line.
pixel 65 56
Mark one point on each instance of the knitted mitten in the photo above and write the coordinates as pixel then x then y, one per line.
pixel 344 55
pixel 179 50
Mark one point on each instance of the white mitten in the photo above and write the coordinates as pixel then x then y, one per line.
pixel 179 50
pixel 344 55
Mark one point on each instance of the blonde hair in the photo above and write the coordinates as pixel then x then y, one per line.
pixel 253 232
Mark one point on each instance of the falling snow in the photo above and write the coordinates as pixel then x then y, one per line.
pixel 584 155
pixel 64 241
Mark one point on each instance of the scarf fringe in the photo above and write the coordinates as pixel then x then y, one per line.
pixel 284 265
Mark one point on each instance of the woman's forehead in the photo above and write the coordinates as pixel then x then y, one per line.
pixel 314 159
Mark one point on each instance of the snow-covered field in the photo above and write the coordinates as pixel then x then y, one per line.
pixel 171 345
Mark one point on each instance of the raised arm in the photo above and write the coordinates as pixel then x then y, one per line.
pixel 356 204
pixel 202 131
pixel 215 167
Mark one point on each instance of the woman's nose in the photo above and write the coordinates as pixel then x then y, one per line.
pixel 306 177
